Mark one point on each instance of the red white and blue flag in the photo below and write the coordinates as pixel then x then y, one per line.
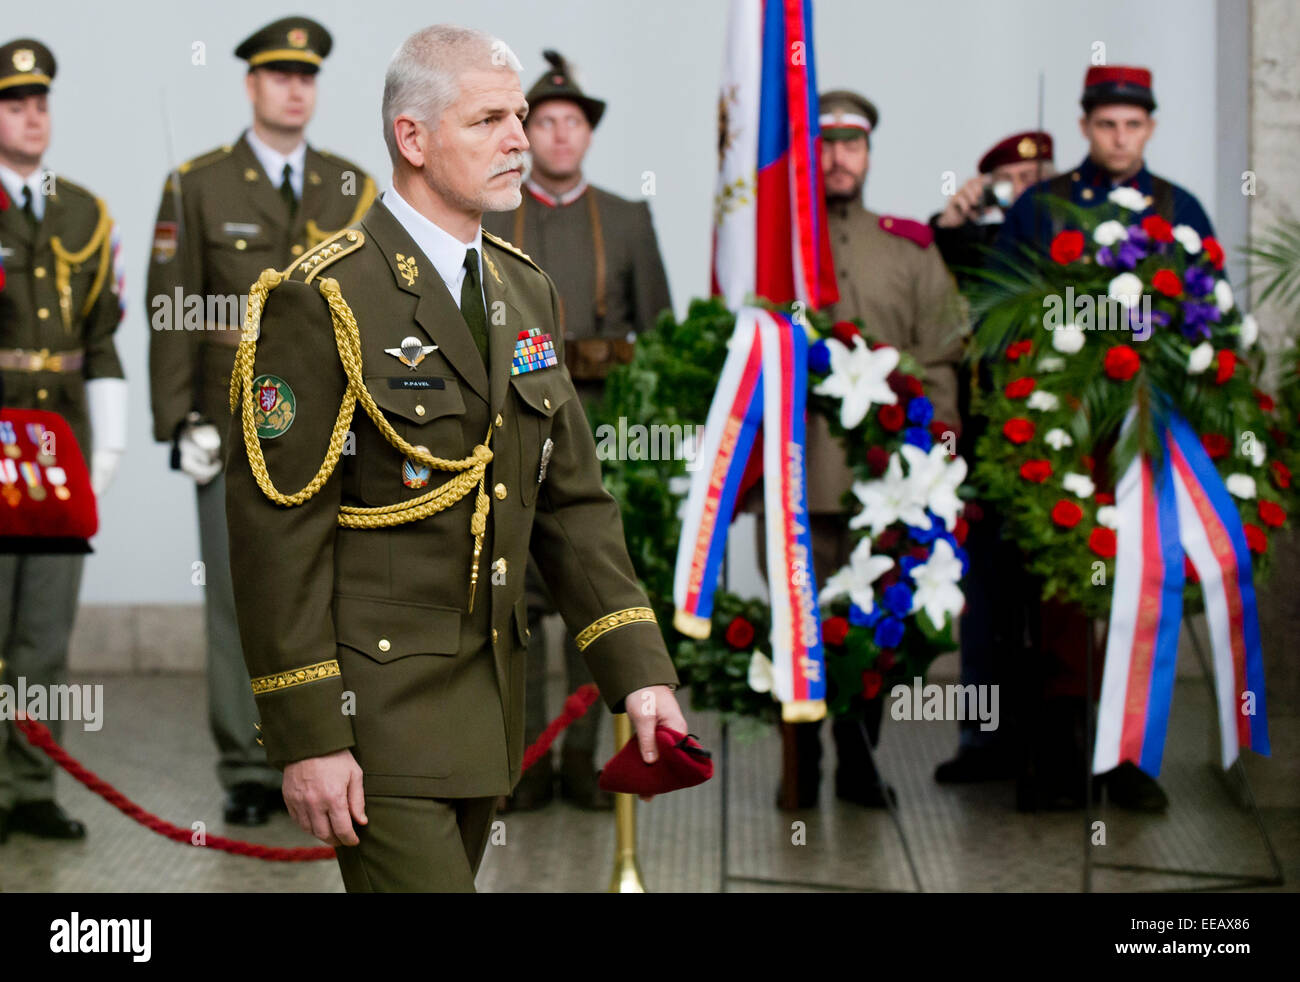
pixel 770 234
pixel 1184 509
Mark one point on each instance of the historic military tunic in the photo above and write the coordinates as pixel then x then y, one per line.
pixel 364 637
pixel 601 252
pixel 233 223
pixel 892 277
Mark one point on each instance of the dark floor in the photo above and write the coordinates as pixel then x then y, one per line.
pixel 154 746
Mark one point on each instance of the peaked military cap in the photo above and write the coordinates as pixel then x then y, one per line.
pixel 845 115
pixel 557 82
pixel 289 44
pixel 1106 85
pixel 26 68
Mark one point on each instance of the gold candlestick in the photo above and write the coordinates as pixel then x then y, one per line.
pixel 627 874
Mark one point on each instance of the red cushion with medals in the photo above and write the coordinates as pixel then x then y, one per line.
pixel 46 501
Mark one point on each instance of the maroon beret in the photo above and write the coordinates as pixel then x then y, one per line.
pixel 682 763
pixel 1029 145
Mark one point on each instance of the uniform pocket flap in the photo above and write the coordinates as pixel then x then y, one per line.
pixel 397 394
pixel 389 629
pixel 543 391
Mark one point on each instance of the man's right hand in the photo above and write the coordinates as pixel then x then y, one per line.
pixel 964 206
pixel 200 451
pixel 324 796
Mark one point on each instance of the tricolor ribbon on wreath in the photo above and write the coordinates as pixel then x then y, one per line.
pixel 764 385
pixel 1177 507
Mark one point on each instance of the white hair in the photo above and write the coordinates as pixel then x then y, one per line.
pixel 423 78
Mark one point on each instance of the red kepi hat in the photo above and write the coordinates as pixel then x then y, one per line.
pixel 1117 84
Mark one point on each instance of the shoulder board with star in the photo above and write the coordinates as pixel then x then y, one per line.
pixel 309 265
pixel 514 250
pixel 918 233
pixel 203 159
pixel 342 163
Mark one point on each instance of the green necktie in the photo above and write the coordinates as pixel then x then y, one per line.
pixel 286 190
pixel 471 304
pixel 29 211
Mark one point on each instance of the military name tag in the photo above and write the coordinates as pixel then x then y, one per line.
pixel 5 252
pixel 405 382
pixel 241 228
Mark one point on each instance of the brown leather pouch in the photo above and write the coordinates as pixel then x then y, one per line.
pixel 594 358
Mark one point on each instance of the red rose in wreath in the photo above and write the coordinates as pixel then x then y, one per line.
pixel 960 531
pixel 1265 401
pixel 1101 540
pixel 1067 247
pixel 1215 444
pixel 1166 281
pixel 1019 388
pixel 1213 251
pixel 871 683
pixel 1227 364
pixel 892 417
pixel 1256 539
pixel 1122 363
pixel 1159 229
pixel 1021 348
pixel 1272 514
pixel 740 633
pixel 1018 430
pixel 886 660
pixel 1281 474
pixel 1037 471
pixel 877 460
pixel 835 630
pixel 846 333
pixel 1066 514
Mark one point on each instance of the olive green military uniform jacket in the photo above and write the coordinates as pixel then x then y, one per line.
pixel 60 304
pixel 364 637
pixel 905 298
pixel 606 266
pixel 216 231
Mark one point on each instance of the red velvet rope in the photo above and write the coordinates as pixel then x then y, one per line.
pixel 38 735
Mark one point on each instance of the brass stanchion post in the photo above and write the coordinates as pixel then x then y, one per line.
pixel 627 874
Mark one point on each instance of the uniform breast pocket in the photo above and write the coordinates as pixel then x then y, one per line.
pixel 430 417
pixel 541 394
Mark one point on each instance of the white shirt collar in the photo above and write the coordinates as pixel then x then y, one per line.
pixel 14 185
pixel 273 161
pixel 444 250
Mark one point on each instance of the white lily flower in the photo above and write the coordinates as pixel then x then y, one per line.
pixel 1108 233
pixel 1108 515
pixel 1058 439
pixel 1044 402
pixel 856 578
pixel 1240 485
pixel 936 579
pixel 1131 199
pixel 888 499
pixel 857 378
pixel 936 477
pixel 1079 484
pixel 1188 238
pixel 1068 339
pixel 1249 332
pixel 1051 363
pixel 762 676
pixel 1200 358
pixel 1223 296
pixel 1126 288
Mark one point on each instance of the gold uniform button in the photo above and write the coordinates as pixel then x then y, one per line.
pixel 494 635
pixel 500 421
pixel 43 313
pixel 419 410
pixel 383 644
pixel 546 403
pixel 500 492
pixel 296 250
pixel 39 272
pixel 42 393
pixel 241 244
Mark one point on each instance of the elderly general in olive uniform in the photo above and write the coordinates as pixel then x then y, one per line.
pixel 891 276
pixel 58 312
pixel 601 251
pixel 407 437
pixel 224 217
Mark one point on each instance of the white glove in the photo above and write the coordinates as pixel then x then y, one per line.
pixel 200 447
pixel 106 403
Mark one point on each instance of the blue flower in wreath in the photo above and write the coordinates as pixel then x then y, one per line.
pixel 889 632
pixel 926 536
pixel 861 618
pixel 898 599
pixel 908 563
pixel 819 358
pixel 920 411
pixel 918 436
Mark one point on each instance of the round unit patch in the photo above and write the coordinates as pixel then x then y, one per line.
pixel 275 407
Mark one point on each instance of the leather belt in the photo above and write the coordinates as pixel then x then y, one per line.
pixel 23 360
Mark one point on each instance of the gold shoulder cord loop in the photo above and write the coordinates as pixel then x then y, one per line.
pixel 469 471
pixel 314 234
pixel 64 261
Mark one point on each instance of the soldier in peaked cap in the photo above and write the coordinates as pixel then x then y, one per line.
pixel 601 251
pixel 58 314
pixel 224 217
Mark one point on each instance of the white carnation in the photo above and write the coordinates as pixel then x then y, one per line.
pixel 1108 233
pixel 1130 199
pixel 1057 439
pixel 1249 332
pixel 1067 339
pixel 1241 485
pixel 1223 296
pixel 1051 363
pixel 1043 401
pixel 1126 288
pixel 1108 515
pixel 1080 484
pixel 1200 358
pixel 1188 238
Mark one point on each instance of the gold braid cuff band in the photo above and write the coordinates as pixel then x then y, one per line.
pixel 299 676
pixel 632 615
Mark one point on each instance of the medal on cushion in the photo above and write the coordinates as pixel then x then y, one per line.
pixel 415 474
pixel 547 448
pixel 36 433
pixel 32 475
pixel 58 480
pixel 9 438
pixel 9 477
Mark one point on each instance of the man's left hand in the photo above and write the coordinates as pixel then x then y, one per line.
pixel 647 708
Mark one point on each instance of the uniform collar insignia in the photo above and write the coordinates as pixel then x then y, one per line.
pixel 406 266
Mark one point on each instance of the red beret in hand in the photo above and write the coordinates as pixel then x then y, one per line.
pixel 682 763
